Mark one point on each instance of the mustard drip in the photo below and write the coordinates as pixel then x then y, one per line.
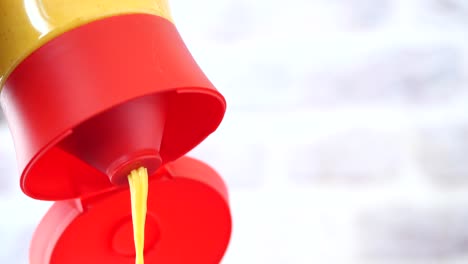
pixel 138 181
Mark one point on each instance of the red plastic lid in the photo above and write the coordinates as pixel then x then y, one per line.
pixel 188 221
pixel 103 98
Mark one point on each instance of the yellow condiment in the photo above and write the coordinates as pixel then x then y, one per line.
pixel 138 181
pixel 25 25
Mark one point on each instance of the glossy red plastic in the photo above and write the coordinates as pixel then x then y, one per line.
pixel 102 99
pixel 188 221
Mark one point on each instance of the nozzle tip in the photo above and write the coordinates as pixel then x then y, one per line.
pixel 119 170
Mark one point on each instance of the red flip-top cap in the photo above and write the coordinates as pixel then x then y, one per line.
pixel 105 98
pixel 188 221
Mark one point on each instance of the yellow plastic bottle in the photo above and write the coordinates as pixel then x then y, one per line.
pixel 28 24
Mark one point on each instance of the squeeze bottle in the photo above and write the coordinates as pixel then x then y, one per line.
pixel 92 90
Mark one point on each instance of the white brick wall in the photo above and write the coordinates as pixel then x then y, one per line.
pixel 346 136
pixel 442 154
pixel 424 232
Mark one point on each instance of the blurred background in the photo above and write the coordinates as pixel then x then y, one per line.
pixel 346 136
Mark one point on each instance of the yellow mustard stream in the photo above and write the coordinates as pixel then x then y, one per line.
pixel 138 181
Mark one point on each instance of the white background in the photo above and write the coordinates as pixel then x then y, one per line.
pixel 346 136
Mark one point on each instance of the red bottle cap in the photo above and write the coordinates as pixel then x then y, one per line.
pixel 188 221
pixel 105 98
